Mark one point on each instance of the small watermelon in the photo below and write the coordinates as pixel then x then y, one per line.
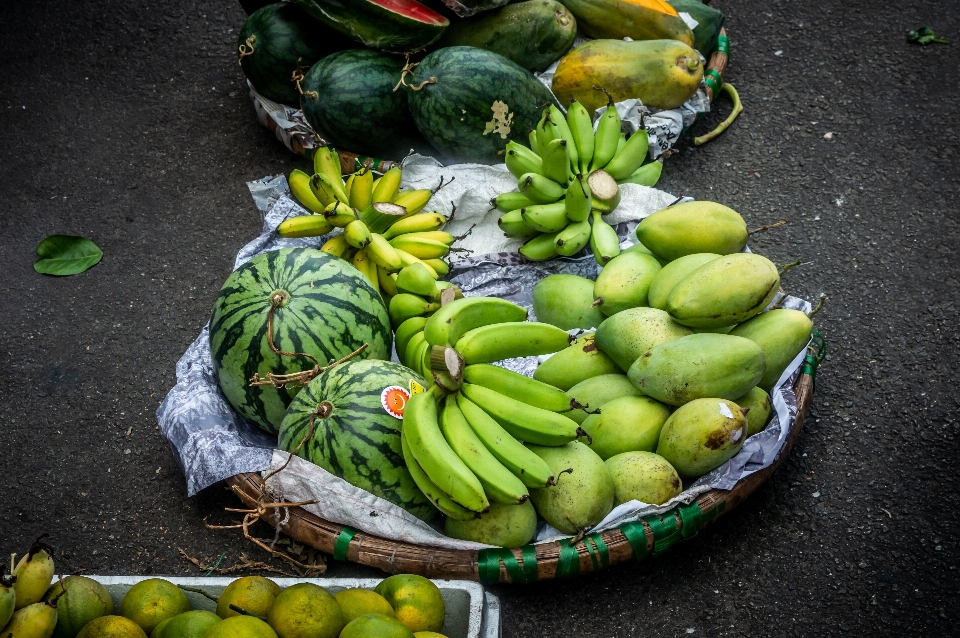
pixel 354 436
pixel 398 26
pixel 327 309
pixel 277 40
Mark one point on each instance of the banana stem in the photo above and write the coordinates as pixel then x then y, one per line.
pixel 737 110
pixel 785 267
pixel 819 306
pixel 767 227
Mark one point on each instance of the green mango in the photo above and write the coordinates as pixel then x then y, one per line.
pixel 724 291
pixel 566 301
pixel 624 281
pixel 84 600
pixel 757 404
pixel 503 526
pixel 189 624
pixel 781 334
pixel 627 424
pixel 628 334
pixel 702 435
pixel 597 391
pixel 578 362
pixel 584 491
pixel 698 366
pixel 693 227
pixel 640 248
pixel 644 477
pixel 36 620
pixel 671 274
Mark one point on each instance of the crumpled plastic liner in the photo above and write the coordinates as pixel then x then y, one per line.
pixel 211 442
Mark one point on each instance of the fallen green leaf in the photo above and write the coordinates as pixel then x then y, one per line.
pixel 66 255
pixel 924 35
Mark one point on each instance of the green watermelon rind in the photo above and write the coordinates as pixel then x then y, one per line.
pixel 359 442
pixel 377 26
pixel 332 311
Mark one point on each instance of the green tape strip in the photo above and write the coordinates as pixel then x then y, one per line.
pixel 568 562
pixel 691 519
pixel 723 44
pixel 637 537
pixel 342 544
pixel 713 78
pixel 488 565
pixel 599 554
pixel 665 532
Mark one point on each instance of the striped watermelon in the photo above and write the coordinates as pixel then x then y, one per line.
pixel 354 437
pixel 329 309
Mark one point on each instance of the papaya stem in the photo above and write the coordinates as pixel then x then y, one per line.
pixel 785 267
pixel 737 110
pixel 767 227
pixel 819 305
pixel 196 590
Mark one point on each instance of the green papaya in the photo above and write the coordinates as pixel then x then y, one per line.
pixel 566 301
pixel 594 392
pixel 709 23
pixel 667 279
pixel 534 34
pixel 724 291
pixel 781 334
pixel 624 281
pixel 702 435
pixel 698 366
pixel 628 334
pixel 693 227
pixel 579 361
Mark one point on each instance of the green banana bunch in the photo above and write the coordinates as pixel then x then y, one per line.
pixel 522 420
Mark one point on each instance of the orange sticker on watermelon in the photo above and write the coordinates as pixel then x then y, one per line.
pixel 394 400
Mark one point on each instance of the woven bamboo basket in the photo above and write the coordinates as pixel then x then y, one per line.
pixel 544 561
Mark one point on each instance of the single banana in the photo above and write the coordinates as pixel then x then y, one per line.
pixel 506 340
pixel 413 349
pixel 362 262
pixel 304 226
pixel 404 305
pixel 578 201
pixel 421 248
pixel 573 238
pixel 499 483
pixel 388 285
pixel 646 175
pixel 414 200
pixel 348 185
pixel 436 235
pixel 438 460
pixel 520 160
pixel 433 493
pixel 406 259
pixel 532 137
pixel 415 279
pixel 512 225
pixel 620 144
pixel 339 214
pixel 443 285
pixel 546 218
pixel 540 248
pixel 603 240
pixel 375 182
pixel 438 265
pixel 448 324
pixel 516 457
pixel 607 137
pixel 558 118
pixel 336 246
pixel 424 222
pixel 556 161
pixel 406 331
pixel 383 254
pixel 380 216
pixel 422 366
pixel 514 200
pixel 629 158
pixel 547 131
pixel 361 193
pixel 540 189
pixel 327 162
pixel 525 422
pixel 519 387
pixel 604 191
pixel 581 130
pixel 388 186
pixel 299 183
pixel 357 234
pixel 321 183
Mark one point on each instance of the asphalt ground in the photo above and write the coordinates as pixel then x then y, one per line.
pixel 129 123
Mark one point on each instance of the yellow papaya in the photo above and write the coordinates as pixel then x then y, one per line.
pixel 660 73
pixel 634 19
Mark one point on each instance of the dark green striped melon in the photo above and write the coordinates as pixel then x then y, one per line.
pixel 349 98
pixel 474 101
pixel 284 38
pixel 327 309
pixel 354 437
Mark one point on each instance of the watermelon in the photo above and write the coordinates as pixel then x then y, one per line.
pixel 327 309
pixel 471 102
pixel 354 437
pixel 279 39
pixel 349 98
pixel 399 26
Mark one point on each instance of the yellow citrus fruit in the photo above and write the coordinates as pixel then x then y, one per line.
pixel 84 600
pixel 111 627
pixel 253 594
pixel 306 610
pixel 428 634
pixel 360 602
pixel 190 624
pixel 375 626
pixel 417 602
pixel 151 601
pixel 240 627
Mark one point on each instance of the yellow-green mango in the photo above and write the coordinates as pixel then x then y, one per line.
pixel 627 424
pixel 693 227
pixel 566 301
pixel 624 281
pixel 36 620
pixel 672 274
pixel 578 362
pixel 189 624
pixel 628 334
pixel 698 366
pixel 781 334
pixel 640 248
pixel 595 392
pixel 643 476
pixel 724 291
pixel 757 404
pixel 584 491
pixel 702 435
pixel 661 73
pixel 34 572
pixel 503 526
pixel 84 600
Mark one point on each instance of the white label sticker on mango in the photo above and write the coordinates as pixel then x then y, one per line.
pixel 394 400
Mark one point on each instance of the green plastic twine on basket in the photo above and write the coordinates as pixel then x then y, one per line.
pixel 813 359
pixel 568 562
pixel 723 44
pixel 488 565
pixel 342 545
pixel 713 79
pixel 636 535
pixel 599 554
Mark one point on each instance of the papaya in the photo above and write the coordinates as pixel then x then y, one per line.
pixel 660 73
pixel 628 334
pixel 781 334
pixel 709 22
pixel 702 435
pixel 671 274
pixel 724 291
pixel 579 361
pixel 534 34
pixel 698 366
pixel 693 227
pixel 634 19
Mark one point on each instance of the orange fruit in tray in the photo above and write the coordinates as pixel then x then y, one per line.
pixel 360 602
pixel 151 601
pixel 111 627
pixel 240 627
pixel 376 626
pixel 428 634
pixel 253 594
pixel 417 602
pixel 305 609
